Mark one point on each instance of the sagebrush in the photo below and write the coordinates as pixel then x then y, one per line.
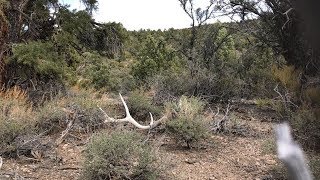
pixel 119 155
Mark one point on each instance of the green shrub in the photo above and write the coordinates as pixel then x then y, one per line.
pixel 155 57
pixel 312 95
pixel 289 76
pixel 187 130
pixel 188 124
pixel 39 58
pixel 140 105
pixel 100 72
pixel 120 155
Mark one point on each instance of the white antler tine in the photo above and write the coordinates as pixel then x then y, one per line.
pixel 1 162
pixel 151 117
pixel 125 106
pixel 104 113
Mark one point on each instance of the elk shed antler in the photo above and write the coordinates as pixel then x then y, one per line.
pixel 130 119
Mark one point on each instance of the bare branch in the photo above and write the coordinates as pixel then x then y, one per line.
pixel 220 124
pixel 288 19
pixel 71 114
pixel 65 132
pixel 130 119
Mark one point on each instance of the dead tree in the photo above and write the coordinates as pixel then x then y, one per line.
pixel 199 16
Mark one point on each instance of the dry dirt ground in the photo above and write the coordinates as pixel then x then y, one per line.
pixel 244 153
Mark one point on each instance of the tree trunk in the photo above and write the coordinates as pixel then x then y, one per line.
pixel 3 45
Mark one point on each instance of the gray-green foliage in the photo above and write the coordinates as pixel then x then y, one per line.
pixel 188 124
pixel 204 84
pixel 119 155
pixel 105 38
pixel 155 57
pixel 100 72
pixel 140 105
pixel 39 58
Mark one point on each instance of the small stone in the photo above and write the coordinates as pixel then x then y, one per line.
pixel 190 161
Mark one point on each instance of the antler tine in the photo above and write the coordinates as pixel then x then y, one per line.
pixel 151 119
pixel 1 162
pixel 104 113
pixel 125 106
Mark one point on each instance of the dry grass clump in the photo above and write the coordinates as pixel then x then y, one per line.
pixel 80 106
pixel 16 117
pixel 288 76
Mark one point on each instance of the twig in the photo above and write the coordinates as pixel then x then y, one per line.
pixel 65 132
pixel 69 168
pixel 219 125
pixel 288 19
pixel 148 136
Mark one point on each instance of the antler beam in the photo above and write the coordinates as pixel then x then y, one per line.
pixel 130 119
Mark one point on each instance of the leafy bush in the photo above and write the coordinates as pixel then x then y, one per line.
pixel 41 68
pixel 140 105
pixel 277 105
pixel 120 155
pixel 154 58
pixel 50 116
pixel 40 58
pixel 188 107
pixel 188 125
pixel 187 130
pixel 99 72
